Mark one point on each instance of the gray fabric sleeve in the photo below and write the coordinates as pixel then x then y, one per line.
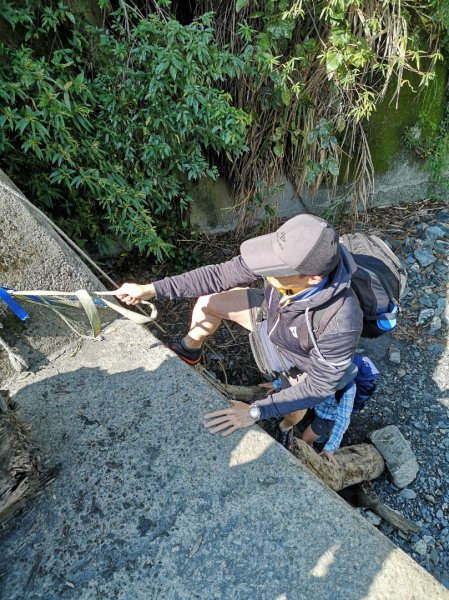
pixel 322 378
pixel 205 280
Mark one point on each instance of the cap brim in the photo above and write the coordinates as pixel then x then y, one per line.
pixel 259 256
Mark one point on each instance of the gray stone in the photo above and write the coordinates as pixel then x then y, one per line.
pixel 445 316
pixel 435 325
pixel 398 454
pixel 436 348
pixel 424 257
pixel 441 303
pixel 434 232
pixel 424 315
pixel 442 247
pixel 434 557
pixel 394 355
pixel 429 540
pixel 420 547
pixel 429 498
pixel 408 494
pixel 427 301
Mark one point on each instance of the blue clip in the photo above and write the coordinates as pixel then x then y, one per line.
pixel 13 305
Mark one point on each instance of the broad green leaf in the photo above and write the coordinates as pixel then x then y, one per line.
pixel 286 95
pixel 333 60
pixel 279 150
pixel 240 4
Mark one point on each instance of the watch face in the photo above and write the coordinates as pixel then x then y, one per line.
pixel 254 412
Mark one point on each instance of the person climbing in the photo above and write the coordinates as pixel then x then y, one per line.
pixel 331 418
pixel 304 268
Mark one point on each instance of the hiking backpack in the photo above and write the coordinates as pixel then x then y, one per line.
pixel 378 282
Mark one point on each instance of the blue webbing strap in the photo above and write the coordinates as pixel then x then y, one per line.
pixel 13 305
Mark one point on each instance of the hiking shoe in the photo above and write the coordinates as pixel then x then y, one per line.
pixel 191 357
pixel 285 438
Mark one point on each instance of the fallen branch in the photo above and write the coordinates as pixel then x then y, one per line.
pixel 370 500
pixel 356 464
pixel 361 462
pixel 234 392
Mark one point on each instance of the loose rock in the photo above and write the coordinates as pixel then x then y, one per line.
pixel 424 315
pixel 434 232
pixel 394 355
pixel 435 325
pixel 420 547
pixel 397 452
pixel 424 257
pixel 434 557
pixel 408 494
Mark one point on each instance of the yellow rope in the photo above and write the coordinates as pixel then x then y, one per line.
pixel 85 301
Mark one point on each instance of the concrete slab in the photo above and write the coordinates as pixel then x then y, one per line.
pixel 150 505
pixel 33 256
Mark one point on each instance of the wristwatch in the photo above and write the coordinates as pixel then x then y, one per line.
pixel 254 412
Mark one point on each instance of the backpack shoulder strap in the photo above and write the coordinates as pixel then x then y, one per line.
pixel 320 320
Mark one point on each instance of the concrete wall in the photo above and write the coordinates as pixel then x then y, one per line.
pixel 406 181
pixel 399 176
pixel 33 256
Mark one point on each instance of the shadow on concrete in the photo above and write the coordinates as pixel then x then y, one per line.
pixel 150 505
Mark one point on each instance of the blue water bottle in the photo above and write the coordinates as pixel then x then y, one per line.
pixel 388 324
pixel 277 384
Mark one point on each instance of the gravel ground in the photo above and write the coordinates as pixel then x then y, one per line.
pixel 412 393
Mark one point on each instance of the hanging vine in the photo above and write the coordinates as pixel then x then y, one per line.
pixel 314 74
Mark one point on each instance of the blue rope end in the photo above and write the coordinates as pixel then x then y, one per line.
pixel 13 305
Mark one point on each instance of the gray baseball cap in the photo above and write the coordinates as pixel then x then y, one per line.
pixel 305 245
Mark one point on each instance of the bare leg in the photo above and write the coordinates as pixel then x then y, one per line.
pixel 292 419
pixel 210 310
pixel 309 436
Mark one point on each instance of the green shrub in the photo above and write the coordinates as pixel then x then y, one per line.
pixel 104 127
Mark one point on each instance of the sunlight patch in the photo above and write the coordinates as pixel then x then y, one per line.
pixel 325 561
pixel 251 447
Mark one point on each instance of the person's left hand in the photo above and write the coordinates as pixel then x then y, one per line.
pixel 229 419
pixel 330 457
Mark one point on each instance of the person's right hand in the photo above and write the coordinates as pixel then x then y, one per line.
pixel 133 293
